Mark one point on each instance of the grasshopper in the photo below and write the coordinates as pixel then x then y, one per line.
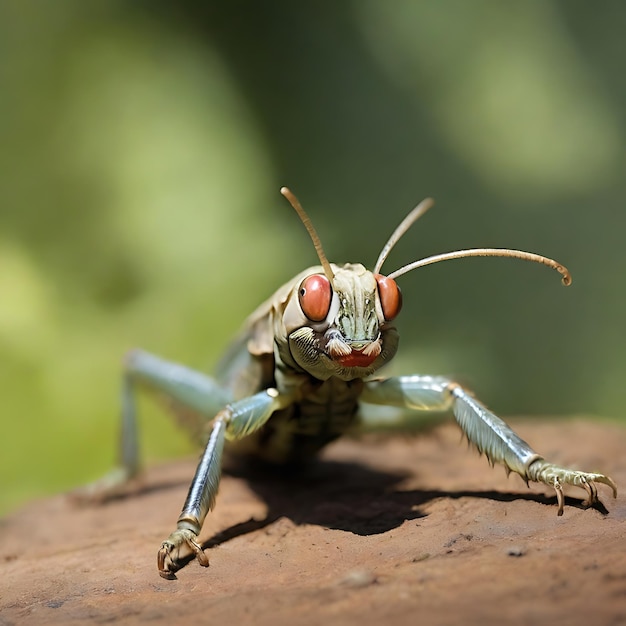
pixel 293 380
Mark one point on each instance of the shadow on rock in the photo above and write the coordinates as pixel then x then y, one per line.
pixel 348 496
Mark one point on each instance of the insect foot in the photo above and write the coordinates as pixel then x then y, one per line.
pixel 543 472
pixel 170 559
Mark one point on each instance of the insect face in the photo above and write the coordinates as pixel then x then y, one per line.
pixel 342 330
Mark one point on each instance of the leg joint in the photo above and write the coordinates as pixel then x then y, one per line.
pixel 455 389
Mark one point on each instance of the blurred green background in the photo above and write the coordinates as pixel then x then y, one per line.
pixel 143 144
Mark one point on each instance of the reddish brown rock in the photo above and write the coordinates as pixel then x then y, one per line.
pixel 407 530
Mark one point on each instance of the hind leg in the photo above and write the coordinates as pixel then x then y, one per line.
pixel 198 396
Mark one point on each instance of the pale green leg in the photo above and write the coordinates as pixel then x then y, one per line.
pixel 207 401
pixel 195 391
pixel 485 430
pixel 234 422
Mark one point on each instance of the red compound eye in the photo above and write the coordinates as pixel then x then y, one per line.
pixel 315 294
pixel 390 296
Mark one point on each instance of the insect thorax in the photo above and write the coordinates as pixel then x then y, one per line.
pixel 295 434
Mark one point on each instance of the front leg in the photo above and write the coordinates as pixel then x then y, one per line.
pixel 485 430
pixel 236 421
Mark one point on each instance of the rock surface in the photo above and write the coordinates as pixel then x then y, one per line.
pixel 406 530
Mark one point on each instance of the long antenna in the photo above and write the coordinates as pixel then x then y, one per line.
pixel 404 225
pixel 504 252
pixel 312 233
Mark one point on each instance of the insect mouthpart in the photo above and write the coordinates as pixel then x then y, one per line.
pixel 353 353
